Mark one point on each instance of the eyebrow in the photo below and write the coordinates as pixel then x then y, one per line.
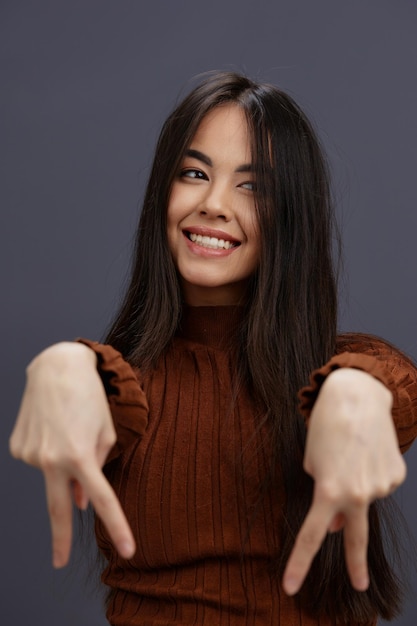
pixel 200 156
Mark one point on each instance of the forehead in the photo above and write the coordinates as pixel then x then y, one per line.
pixel 224 130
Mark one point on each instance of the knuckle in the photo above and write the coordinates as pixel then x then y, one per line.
pixel 386 488
pixel 402 471
pixel 359 498
pixel 23 450
pixel 360 494
pixel 50 462
pixel 52 459
pixel 109 439
pixel 328 492
pixel 383 490
pixel 396 478
pixel 48 459
pixel 29 456
pixel 77 460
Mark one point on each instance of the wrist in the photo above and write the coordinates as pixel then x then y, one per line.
pixel 63 356
pixel 352 385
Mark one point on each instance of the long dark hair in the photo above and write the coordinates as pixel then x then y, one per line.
pixel 290 315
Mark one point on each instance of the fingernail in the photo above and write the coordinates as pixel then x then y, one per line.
pixel 363 584
pixel 290 586
pixel 127 549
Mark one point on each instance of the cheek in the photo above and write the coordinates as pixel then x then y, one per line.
pixel 174 234
pixel 172 214
pixel 171 237
pixel 253 235
pixel 251 227
pixel 175 208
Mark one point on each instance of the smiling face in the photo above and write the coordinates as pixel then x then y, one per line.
pixel 211 218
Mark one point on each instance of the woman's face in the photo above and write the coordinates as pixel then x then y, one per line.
pixel 212 226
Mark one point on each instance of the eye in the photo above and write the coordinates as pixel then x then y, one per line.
pixel 250 185
pixel 191 172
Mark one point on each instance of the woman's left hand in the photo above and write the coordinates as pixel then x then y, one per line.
pixel 353 456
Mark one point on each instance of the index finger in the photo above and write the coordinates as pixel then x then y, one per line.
pixel 59 500
pixel 356 547
pixel 308 541
pixel 109 510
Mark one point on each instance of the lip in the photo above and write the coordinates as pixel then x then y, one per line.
pixel 201 251
pixel 210 232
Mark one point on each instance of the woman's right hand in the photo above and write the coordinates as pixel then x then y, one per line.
pixel 65 428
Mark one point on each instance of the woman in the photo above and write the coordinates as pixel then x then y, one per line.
pixel 230 308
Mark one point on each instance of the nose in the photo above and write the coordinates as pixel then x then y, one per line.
pixel 216 203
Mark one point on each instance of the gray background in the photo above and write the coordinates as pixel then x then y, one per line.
pixel 85 87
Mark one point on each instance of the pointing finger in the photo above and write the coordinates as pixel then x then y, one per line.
pixel 356 547
pixel 59 500
pixel 307 544
pixel 109 510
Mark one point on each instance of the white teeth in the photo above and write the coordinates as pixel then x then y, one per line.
pixel 210 242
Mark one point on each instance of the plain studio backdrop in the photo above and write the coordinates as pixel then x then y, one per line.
pixel 85 86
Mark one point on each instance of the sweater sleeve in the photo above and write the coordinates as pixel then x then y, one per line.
pixel 127 400
pixel 383 361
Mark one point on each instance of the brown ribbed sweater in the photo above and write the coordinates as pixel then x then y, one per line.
pixel 187 468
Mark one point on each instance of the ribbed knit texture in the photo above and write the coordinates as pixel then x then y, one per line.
pixel 187 469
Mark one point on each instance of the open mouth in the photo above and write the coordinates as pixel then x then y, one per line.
pixel 211 242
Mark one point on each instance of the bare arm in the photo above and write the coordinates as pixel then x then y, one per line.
pixel 64 427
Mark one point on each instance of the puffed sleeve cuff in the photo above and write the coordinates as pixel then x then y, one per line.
pixel 388 365
pixel 127 400
pixel 308 394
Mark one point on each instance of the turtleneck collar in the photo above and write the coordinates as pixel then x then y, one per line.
pixel 213 326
